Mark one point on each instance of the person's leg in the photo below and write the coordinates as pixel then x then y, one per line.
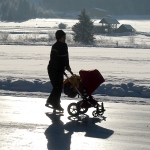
pixel 57 82
pixel 51 73
pixel 56 79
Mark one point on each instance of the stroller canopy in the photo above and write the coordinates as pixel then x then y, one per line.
pixel 91 80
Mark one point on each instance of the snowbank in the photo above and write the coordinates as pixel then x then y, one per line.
pixel 120 90
pixel 124 90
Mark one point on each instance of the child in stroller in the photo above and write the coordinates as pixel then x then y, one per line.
pixel 84 85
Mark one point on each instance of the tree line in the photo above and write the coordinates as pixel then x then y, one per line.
pixel 117 7
pixel 11 10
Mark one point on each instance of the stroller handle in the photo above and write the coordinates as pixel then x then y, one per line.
pixel 67 75
pixel 70 73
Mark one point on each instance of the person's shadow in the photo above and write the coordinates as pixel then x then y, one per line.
pixel 59 140
pixel 55 134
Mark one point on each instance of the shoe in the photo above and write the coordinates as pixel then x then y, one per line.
pixel 47 104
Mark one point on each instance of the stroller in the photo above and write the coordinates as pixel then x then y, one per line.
pixel 84 85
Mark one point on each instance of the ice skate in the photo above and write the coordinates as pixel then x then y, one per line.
pixel 55 107
pixel 58 107
pixel 49 103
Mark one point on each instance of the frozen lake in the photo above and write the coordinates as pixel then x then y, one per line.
pixel 26 124
pixel 117 65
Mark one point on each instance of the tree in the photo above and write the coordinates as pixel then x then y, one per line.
pixel 23 10
pixel 84 29
pixel 4 10
pixel 33 11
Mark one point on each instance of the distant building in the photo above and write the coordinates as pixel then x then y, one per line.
pixel 126 28
pixel 109 25
pixel 98 13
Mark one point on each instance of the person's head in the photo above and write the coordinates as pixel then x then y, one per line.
pixel 60 36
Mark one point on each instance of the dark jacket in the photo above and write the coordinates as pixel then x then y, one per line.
pixel 59 59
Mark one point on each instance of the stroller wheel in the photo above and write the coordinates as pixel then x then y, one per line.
pixel 101 112
pixel 73 109
pixel 83 110
pixel 94 113
pixel 97 114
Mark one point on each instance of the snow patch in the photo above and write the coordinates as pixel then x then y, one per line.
pixel 37 85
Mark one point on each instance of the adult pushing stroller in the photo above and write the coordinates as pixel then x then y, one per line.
pixel 84 85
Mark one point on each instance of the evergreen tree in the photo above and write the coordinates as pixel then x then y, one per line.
pixel 84 29
pixel 33 11
pixel 4 10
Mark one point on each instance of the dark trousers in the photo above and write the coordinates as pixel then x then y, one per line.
pixel 56 79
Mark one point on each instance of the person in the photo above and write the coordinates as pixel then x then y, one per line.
pixel 117 43
pixel 59 61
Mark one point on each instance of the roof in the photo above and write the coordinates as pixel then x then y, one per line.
pixel 109 21
pixel 127 26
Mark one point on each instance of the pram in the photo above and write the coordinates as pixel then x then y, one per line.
pixel 84 85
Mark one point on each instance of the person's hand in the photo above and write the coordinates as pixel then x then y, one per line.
pixel 69 69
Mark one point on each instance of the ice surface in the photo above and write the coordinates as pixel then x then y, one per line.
pixel 27 124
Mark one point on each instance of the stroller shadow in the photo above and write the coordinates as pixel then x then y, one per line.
pixel 89 126
pixel 59 139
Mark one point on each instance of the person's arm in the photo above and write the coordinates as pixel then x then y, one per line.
pixel 67 62
pixel 53 56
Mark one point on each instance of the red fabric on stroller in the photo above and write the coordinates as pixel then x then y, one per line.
pixel 91 80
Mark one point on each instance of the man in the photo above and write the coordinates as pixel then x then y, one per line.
pixel 59 61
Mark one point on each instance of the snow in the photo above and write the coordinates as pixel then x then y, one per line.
pixel 24 87
pixel 126 71
pixel 37 28
pixel 23 68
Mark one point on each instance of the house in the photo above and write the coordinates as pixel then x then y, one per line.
pixel 126 28
pixel 109 25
